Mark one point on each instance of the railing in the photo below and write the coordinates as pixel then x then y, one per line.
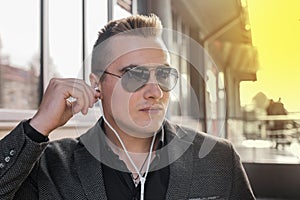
pixel 281 129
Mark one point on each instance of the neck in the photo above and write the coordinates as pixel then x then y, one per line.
pixel 136 146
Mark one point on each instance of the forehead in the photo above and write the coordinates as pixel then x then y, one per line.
pixel 135 50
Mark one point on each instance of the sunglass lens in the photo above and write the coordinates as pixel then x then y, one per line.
pixel 135 78
pixel 166 77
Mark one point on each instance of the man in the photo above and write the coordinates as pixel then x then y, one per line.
pixel 132 152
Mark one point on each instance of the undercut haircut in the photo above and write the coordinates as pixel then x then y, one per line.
pixel 135 25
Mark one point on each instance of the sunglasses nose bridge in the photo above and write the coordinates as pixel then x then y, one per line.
pixel 152 76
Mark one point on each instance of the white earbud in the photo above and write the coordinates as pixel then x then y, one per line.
pixel 97 89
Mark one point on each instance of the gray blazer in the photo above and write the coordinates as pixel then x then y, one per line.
pixel 209 168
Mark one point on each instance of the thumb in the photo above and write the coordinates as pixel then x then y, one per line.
pixel 69 112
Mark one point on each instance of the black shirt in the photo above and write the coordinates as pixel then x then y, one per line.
pixel 34 134
pixel 119 185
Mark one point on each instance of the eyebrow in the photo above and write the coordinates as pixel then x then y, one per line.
pixel 124 69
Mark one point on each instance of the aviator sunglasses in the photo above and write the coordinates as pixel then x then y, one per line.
pixel 136 77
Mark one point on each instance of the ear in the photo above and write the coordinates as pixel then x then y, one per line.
pixel 95 83
pixel 94 80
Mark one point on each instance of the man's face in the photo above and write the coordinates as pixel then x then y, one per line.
pixel 138 113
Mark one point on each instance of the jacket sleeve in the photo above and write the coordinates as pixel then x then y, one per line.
pixel 18 156
pixel 240 188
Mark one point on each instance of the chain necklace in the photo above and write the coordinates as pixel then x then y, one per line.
pixel 136 179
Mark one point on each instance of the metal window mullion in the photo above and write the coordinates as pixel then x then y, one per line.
pixel 110 9
pixel 84 68
pixel 44 47
pixel 45 41
pixel 134 7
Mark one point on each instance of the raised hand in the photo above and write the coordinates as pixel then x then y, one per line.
pixel 56 108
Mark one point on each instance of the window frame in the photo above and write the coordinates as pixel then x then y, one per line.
pixel 9 117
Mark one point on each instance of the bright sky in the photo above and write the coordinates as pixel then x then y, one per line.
pixel 276 33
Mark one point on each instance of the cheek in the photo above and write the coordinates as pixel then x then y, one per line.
pixel 106 94
pixel 120 100
pixel 133 101
pixel 165 98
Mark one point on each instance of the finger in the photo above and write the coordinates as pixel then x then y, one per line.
pixel 78 106
pixel 87 90
pixel 69 110
pixel 91 94
pixel 81 92
pixel 77 99
pixel 94 94
pixel 81 103
pixel 85 95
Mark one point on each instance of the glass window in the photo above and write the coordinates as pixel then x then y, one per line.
pixel 65 39
pixel 96 18
pixel 19 54
pixel 215 100
pixel 126 5
pixel 120 12
pixel 271 128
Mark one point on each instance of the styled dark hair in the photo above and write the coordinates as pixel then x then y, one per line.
pixel 135 25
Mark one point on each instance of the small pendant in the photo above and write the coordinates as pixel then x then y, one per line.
pixel 136 180
pixel 136 183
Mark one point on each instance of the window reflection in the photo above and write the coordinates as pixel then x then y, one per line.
pixel 96 18
pixel 215 100
pixel 120 12
pixel 269 130
pixel 65 39
pixel 19 54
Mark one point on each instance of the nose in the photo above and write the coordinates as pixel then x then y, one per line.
pixel 152 89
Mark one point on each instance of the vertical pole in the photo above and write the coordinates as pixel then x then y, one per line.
pixel 41 78
pixel 110 9
pixel 83 39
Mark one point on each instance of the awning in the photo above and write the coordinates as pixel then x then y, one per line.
pixel 225 31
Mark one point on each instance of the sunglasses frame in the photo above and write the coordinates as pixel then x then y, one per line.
pixel 149 69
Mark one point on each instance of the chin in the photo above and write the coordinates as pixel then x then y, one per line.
pixel 140 128
pixel 150 125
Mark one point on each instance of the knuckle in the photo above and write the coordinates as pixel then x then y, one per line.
pixel 53 80
pixel 79 81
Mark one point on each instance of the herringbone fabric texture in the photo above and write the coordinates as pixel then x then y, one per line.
pixel 65 169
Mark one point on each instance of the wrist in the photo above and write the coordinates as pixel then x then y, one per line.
pixel 33 134
pixel 38 125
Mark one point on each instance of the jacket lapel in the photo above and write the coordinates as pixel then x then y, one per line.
pixel 181 171
pixel 90 174
pixel 88 165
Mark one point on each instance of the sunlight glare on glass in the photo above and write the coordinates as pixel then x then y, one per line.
pixel 257 143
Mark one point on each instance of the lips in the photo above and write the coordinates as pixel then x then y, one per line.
pixel 152 109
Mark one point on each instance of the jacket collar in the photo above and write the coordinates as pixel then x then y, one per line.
pixel 178 146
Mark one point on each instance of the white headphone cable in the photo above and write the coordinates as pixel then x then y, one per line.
pixel 142 179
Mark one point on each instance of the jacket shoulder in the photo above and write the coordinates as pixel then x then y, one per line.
pixel 206 147
pixel 62 148
pixel 59 156
pixel 199 138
